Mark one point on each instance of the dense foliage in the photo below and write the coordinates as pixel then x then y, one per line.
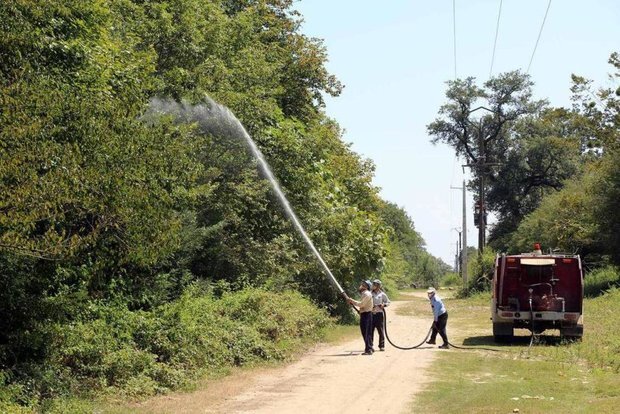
pixel 107 221
pixel 139 353
pixel 407 263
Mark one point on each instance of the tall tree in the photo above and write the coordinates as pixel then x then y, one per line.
pixel 599 110
pixel 544 152
pixel 485 141
pixel 406 251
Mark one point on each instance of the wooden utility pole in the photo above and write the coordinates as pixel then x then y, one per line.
pixel 464 233
pixel 481 165
pixel 464 230
pixel 482 220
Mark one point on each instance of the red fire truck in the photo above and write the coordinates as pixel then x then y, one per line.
pixel 537 291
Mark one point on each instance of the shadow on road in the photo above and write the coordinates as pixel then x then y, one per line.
pixel 487 340
pixel 343 354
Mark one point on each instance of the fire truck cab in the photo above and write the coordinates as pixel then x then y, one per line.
pixel 538 292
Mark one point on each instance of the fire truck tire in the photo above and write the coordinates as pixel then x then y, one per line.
pixel 502 332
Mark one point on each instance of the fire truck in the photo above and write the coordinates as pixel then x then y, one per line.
pixel 538 292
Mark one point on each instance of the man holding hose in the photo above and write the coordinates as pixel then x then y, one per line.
pixel 365 310
pixel 380 301
pixel 440 318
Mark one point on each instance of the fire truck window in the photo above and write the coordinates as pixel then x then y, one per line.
pixel 538 273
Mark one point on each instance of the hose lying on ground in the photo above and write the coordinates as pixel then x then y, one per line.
pixel 404 348
pixel 428 334
pixel 531 324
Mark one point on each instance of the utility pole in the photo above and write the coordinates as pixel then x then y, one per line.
pixel 457 262
pixel 464 229
pixel 482 223
pixel 464 233
pixel 480 165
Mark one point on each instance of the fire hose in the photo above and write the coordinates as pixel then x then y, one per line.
pixel 407 348
pixel 425 339
pixel 404 348
pixel 531 320
pixel 387 336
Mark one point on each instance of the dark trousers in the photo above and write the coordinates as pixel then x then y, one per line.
pixel 440 327
pixel 377 323
pixel 366 329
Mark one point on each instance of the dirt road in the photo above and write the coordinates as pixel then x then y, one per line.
pixel 327 379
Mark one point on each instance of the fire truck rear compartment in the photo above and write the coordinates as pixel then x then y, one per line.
pixel 552 284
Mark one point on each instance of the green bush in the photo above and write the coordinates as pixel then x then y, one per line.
pixel 600 280
pixel 138 353
pixel 13 399
pixel 480 272
pixel 451 279
pixel 288 316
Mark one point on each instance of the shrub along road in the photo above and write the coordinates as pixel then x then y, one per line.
pixel 328 378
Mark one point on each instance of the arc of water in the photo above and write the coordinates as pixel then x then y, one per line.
pixel 217 118
pixel 287 207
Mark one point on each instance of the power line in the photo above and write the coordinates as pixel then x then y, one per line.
pixel 496 33
pixel 454 33
pixel 538 39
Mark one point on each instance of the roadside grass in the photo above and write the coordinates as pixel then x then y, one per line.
pixel 401 294
pixel 472 382
pixel 418 302
pixel 550 377
pixel 340 333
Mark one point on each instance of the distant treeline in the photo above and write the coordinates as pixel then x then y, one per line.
pixel 102 213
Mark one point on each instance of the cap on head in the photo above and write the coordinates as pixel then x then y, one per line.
pixel 376 282
pixel 367 284
pixel 431 290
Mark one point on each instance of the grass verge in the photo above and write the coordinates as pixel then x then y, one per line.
pixel 551 377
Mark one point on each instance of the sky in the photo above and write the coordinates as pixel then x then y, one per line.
pixel 395 56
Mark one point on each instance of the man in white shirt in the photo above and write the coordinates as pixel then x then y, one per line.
pixel 440 318
pixel 365 309
pixel 379 301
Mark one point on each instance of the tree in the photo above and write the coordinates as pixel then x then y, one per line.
pixel 544 152
pixel 430 269
pixel 564 220
pixel 598 111
pixel 105 208
pixel 486 141
pixel 406 245
pixel 606 206
pixel 508 97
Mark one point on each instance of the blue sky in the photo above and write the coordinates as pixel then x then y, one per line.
pixel 394 58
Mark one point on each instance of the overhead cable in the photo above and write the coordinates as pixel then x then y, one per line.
pixel 538 39
pixel 454 33
pixel 496 33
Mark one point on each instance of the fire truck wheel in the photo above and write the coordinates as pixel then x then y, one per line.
pixel 502 332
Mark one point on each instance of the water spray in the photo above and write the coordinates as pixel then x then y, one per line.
pixel 216 119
